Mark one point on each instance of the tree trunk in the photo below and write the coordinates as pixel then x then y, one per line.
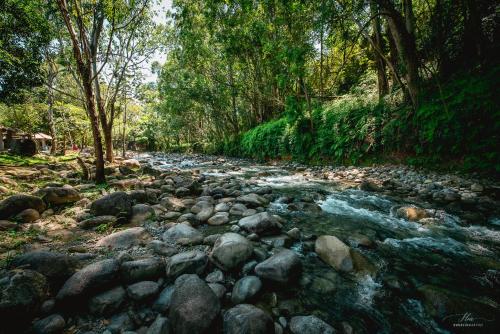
pixel 393 55
pixel 405 44
pixel 382 83
pixel 99 156
pixel 124 145
pixel 50 109
pixel 108 141
pixel 85 72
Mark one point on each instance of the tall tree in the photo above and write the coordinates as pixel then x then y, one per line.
pixel 79 36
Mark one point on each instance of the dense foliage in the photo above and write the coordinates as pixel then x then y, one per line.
pixel 24 36
pixel 459 128
pixel 341 81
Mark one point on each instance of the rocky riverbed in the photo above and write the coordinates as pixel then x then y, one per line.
pixel 200 244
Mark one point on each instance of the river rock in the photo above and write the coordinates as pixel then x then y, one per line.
pixel 252 200
pixel 53 265
pixel 194 306
pixel 206 211
pixel 237 209
pixel 245 289
pixel 141 270
pixel 125 239
pixel 21 294
pixel 58 195
pixel 142 290
pixel 7 225
pixel 259 223
pixel 248 319
pixel 142 212
pixel 96 221
pixel 183 234
pixel 277 241
pixel 218 289
pixel 412 213
pixel 161 325
pixel 131 163
pixel 215 276
pixel 13 205
pixel 162 248
pixel 281 267
pixel 188 217
pixel 107 302
pixel 219 218
pixel 52 324
pixel 211 239
pixel 368 185
pixel 222 207
pixel 334 252
pixel 231 250
pixel 119 324
pixel 294 233
pixel 91 277
pixel 117 204
pixel 310 325
pixel 27 216
pixel 191 262
pixel 173 203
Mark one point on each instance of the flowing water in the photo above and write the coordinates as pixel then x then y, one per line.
pixel 410 278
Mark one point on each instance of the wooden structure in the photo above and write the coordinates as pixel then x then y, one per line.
pixel 22 143
pixel 42 140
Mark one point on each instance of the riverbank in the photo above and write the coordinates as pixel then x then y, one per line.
pixel 352 244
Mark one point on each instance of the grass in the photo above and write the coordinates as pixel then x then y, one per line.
pixel 20 161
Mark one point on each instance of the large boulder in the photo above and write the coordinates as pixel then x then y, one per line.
pixel 141 270
pixel 260 223
pixel 334 252
pixel 191 262
pixel 92 277
pixel 21 294
pixel 310 325
pixel 248 319
pixel 55 266
pixel 117 204
pixel 58 195
pixel 194 306
pixel 231 250
pixel 282 267
pixel 125 239
pixel 252 200
pixel 183 234
pixel 13 205
pixel 245 289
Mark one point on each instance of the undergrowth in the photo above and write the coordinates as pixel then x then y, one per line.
pixel 456 126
